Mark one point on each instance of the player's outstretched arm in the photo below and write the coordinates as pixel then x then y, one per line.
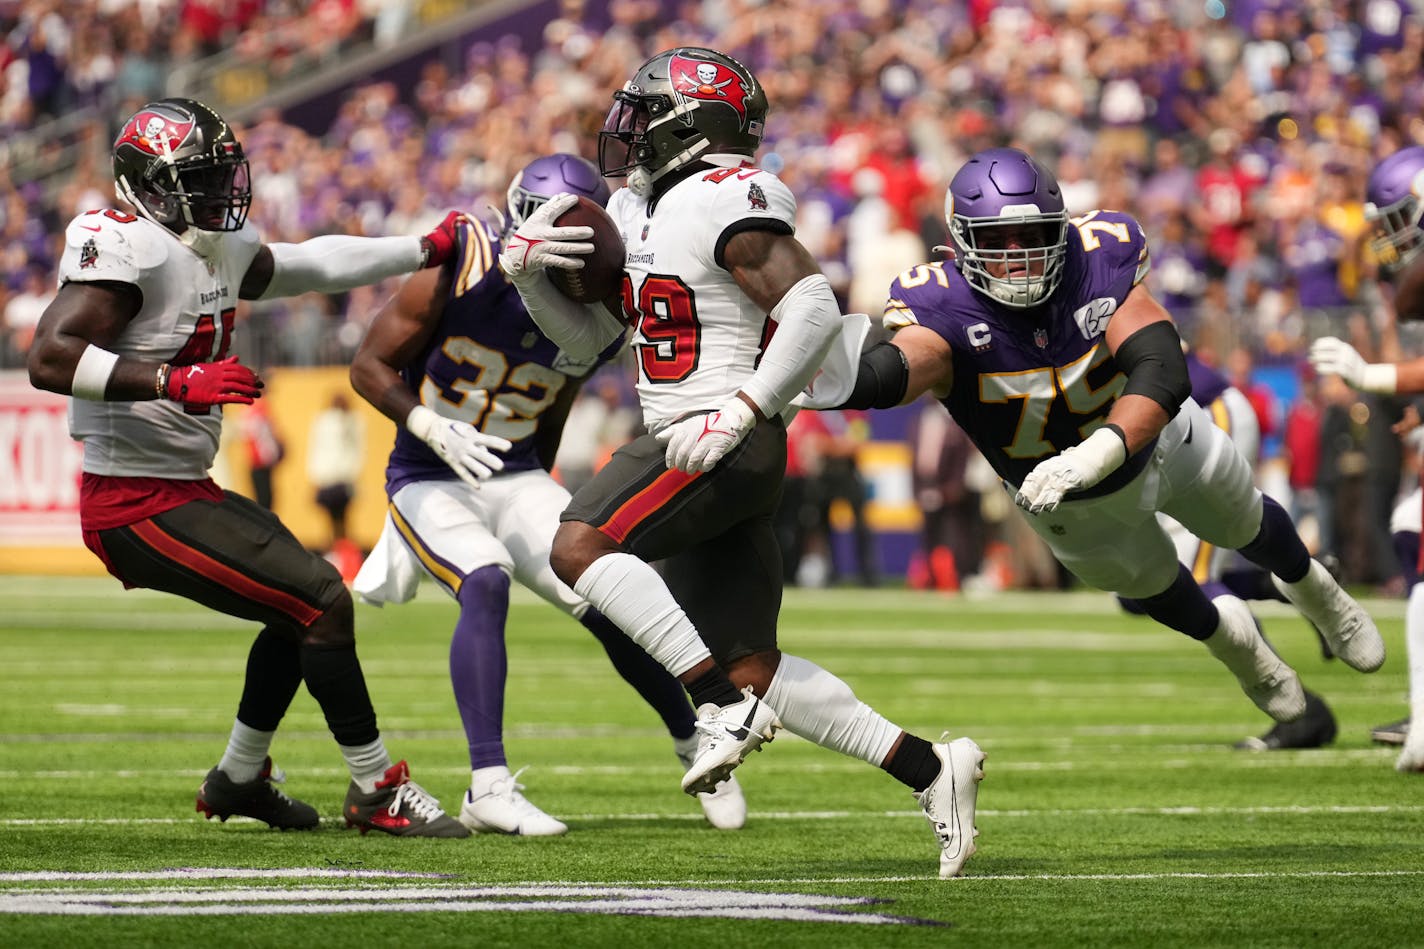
pixel 334 263
pixel 69 355
pixel 1146 347
pixel 1335 357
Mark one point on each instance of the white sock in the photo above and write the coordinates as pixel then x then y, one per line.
pixel 367 763
pixel 1414 649
pixel 632 595
pixel 482 779
pixel 821 708
pixel 246 753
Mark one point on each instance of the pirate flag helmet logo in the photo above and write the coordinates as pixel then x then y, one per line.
pixel 679 106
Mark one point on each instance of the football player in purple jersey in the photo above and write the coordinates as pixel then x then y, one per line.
pixel 1041 339
pixel 1394 206
pixel 456 349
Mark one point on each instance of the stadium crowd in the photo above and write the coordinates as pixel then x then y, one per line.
pixel 1240 134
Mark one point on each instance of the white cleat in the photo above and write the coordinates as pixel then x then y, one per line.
pixel 726 807
pixel 1347 628
pixel 727 734
pixel 1264 676
pixel 498 807
pixel 1411 756
pixel 949 801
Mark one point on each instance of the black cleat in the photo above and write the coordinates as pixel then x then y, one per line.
pixel 221 797
pixel 1392 734
pixel 1315 729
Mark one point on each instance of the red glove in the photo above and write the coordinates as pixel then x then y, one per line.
pixel 439 245
pixel 212 383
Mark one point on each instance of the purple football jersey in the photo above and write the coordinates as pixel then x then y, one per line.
pixel 1207 383
pixel 1030 383
pixel 486 364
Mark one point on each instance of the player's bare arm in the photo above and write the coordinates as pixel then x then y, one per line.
pixel 929 362
pixel 396 337
pixel 1144 341
pixel 81 315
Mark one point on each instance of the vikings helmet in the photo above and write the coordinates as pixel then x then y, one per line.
pixel 545 177
pixel 1394 206
pixel 1002 189
pixel 179 164
pixel 679 106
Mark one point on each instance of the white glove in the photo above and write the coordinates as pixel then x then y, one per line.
pixel 1335 357
pixel 1081 466
pixel 698 443
pixel 538 244
pixel 466 449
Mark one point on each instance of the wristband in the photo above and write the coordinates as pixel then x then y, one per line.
pixel 420 421
pixel 1382 377
pixel 92 372
pixel 160 384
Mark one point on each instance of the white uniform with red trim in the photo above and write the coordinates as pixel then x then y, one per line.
pixel 698 335
pixel 187 317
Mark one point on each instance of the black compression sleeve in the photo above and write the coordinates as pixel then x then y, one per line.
pixel 881 380
pixel 1152 358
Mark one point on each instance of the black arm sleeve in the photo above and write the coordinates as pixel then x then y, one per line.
pixel 1152 358
pixel 881 380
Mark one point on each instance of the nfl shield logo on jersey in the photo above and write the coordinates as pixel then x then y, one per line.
pixel 1040 337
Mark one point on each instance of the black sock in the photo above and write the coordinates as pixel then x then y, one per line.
pixel 333 676
pixel 914 763
pixel 713 686
pixel 1183 607
pixel 274 673
pixel 1277 546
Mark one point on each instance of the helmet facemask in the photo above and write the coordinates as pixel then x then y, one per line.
pixel 1021 276
pixel 1396 235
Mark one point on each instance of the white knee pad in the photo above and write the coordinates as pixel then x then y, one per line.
pixel 821 708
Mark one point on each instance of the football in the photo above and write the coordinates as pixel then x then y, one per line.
pixel 602 271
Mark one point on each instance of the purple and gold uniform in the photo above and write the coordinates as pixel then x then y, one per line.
pixel 486 364
pixel 1029 383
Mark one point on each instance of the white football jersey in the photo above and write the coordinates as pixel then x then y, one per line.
pixel 189 302
pixel 698 337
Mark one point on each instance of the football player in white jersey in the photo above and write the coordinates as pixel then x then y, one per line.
pixel 139 335
pixel 712 272
pixel 458 341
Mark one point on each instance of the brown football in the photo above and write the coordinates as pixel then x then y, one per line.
pixel 602 272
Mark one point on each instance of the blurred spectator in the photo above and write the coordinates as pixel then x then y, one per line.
pixel 1302 453
pixel 601 420
pixel 263 447
pixel 952 537
pixel 833 474
pixel 335 449
pixel 22 314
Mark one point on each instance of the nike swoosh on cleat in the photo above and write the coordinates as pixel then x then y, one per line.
pixel 740 732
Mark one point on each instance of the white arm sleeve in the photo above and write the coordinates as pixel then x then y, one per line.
pixel 581 331
pixel 808 321
pixel 337 262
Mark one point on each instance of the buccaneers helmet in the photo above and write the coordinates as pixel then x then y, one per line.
pixel 179 163
pixel 680 106
pixel 1394 206
pixel 998 191
pixel 545 177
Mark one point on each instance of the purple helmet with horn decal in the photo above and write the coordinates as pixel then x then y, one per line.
pixel 1008 226
pixel 545 177
pixel 1394 206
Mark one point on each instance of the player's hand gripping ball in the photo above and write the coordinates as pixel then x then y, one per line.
pixel 602 271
